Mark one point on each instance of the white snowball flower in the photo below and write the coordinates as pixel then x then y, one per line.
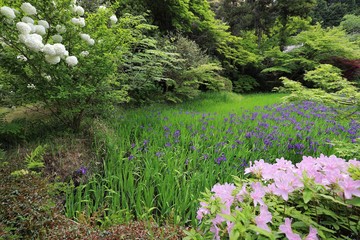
pixel 91 42
pixel 39 29
pixel 34 42
pixel 47 77
pixel 7 12
pixel 78 21
pixel 21 58
pixel 57 38
pixel 32 27
pixel 65 55
pixel 79 10
pixel 71 61
pixel 85 37
pixel 23 28
pixel 22 37
pixel 84 53
pixel 59 49
pixel 28 8
pixel 49 50
pixel 52 59
pixel 102 7
pixel 60 29
pixel 75 21
pixel 37 37
pixel 113 19
pixel 31 86
pixel 44 23
pixel 27 19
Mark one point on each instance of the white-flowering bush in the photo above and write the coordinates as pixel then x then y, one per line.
pixel 56 66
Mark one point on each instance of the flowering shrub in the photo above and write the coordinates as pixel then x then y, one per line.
pixel 316 198
pixel 64 58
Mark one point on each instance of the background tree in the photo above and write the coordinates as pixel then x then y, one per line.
pixel 330 12
pixel 286 9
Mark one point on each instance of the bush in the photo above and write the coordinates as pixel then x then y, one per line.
pixel 245 83
pixel 318 196
pixel 170 71
pixel 330 88
pixel 56 63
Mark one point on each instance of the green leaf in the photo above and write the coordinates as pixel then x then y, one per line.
pixel 307 195
pixel 261 231
pixel 333 199
pixel 355 201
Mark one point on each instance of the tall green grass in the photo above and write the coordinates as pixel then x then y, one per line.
pixel 158 159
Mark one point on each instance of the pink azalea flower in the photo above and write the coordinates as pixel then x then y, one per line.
pixel 286 228
pixel 240 196
pixel 264 218
pixel 350 187
pixel 285 184
pixel 224 192
pixel 202 211
pixel 283 164
pixel 258 193
pixel 312 234
pixel 258 167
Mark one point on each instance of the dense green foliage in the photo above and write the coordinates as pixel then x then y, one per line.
pixel 85 64
pixel 193 146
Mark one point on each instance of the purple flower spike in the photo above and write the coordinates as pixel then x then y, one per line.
pixel 82 170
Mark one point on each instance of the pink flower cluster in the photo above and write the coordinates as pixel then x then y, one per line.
pixel 282 179
pixel 330 172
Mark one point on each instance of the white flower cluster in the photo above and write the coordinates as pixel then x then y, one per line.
pixel 27 19
pixel 28 9
pixel 78 10
pixel 78 21
pixel 84 53
pixel 32 41
pixel 57 38
pixel 113 19
pixel 21 58
pixel 87 38
pixel 9 13
pixel 71 61
pixel 54 53
pixel 31 34
pixel 31 86
pixel 60 29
